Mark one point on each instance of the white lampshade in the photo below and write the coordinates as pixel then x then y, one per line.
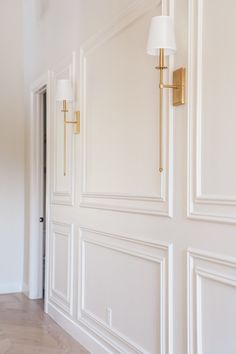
pixel 64 91
pixel 161 35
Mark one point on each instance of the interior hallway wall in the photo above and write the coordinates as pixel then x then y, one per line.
pixel 11 146
pixel 49 35
pixel 53 29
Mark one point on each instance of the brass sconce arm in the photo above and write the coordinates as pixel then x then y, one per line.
pixel 76 121
pixel 162 86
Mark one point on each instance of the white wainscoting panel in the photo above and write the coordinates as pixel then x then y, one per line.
pixel 119 104
pixel 126 291
pixel 212 143
pixel 211 303
pixel 62 186
pixel 61 266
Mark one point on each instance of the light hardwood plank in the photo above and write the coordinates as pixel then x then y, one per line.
pixel 26 329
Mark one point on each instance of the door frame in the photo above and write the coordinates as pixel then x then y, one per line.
pixel 35 290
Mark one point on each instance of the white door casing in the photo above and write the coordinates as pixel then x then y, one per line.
pixel 35 288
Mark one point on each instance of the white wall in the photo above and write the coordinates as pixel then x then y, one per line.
pixel 52 36
pixel 11 146
pixel 46 41
pixel 53 29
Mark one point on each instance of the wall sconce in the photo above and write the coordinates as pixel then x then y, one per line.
pixel 64 93
pixel 161 42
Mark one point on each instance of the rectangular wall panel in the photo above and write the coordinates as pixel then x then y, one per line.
pixel 212 171
pixel 61 266
pixel 119 105
pixel 126 291
pixel 211 303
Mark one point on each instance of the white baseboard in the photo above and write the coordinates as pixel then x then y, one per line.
pixel 34 295
pixel 25 289
pixel 10 288
pixel 88 340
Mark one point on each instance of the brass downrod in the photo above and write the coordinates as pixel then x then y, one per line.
pixel 162 86
pixel 161 68
pixel 76 123
pixel 65 110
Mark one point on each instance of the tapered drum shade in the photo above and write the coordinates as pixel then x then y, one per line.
pixel 64 91
pixel 161 36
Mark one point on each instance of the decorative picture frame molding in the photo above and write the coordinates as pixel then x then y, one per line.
pixel 217 208
pixel 130 203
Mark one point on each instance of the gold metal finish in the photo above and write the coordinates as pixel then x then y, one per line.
pixel 161 86
pixel 178 96
pixel 64 110
pixel 179 81
pixel 76 123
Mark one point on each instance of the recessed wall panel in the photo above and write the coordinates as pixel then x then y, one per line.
pixel 61 262
pixel 61 266
pixel 211 80
pixel 121 101
pixel 120 105
pixel 218 318
pixel 211 304
pixel 126 291
pixel 218 98
pixel 140 284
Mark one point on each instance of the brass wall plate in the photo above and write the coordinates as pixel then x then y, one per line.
pixel 77 124
pixel 179 92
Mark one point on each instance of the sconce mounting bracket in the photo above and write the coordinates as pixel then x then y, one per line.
pixel 179 91
pixel 77 124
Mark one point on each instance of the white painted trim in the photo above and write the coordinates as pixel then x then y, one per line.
pixel 216 208
pixel 139 249
pixel 48 186
pixel 25 289
pixel 148 204
pixel 204 265
pixel 35 239
pixel 212 257
pixel 79 331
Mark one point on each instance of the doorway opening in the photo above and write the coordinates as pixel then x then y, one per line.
pixel 38 192
pixel 43 188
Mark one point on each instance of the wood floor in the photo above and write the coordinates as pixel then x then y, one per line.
pixel 26 329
